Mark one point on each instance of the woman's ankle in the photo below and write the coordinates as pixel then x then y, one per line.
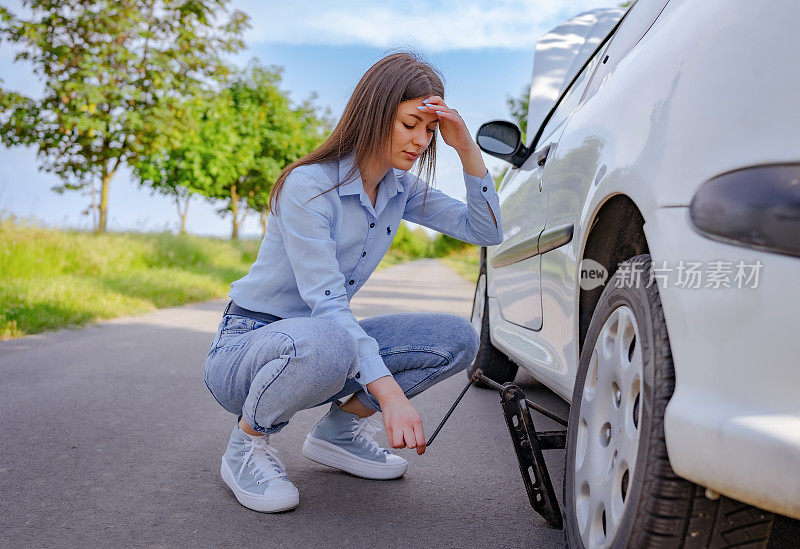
pixel 244 426
pixel 354 406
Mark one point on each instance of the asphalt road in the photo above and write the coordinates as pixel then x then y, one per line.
pixel 109 437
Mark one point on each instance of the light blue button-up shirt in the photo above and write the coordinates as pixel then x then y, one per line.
pixel 317 253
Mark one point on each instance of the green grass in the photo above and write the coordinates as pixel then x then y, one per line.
pixel 465 262
pixel 52 279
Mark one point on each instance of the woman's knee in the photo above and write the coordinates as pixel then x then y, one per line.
pixel 464 340
pixel 330 346
pixel 215 379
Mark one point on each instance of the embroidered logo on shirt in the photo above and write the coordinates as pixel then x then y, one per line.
pixel 389 230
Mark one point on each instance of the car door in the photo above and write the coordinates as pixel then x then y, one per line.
pixel 515 265
pixel 571 173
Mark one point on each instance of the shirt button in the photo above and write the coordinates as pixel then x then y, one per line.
pixel 371 225
pixel 352 282
pixel 484 189
pixel 327 292
pixel 363 254
pixel 358 375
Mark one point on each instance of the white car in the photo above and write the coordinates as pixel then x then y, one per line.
pixel 652 245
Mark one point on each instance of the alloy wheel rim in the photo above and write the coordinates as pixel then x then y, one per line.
pixel 478 304
pixel 607 442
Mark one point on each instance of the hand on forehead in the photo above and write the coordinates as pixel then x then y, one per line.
pixel 410 109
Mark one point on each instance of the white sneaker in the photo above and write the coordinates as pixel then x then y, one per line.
pixel 251 469
pixel 345 441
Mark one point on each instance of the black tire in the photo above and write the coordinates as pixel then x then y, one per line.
pixel 661 509
pixel 493 362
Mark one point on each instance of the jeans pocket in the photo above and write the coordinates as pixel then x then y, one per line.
pixel 235 324
pixel 230 328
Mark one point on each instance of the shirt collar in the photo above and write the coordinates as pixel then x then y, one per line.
pixel 389 184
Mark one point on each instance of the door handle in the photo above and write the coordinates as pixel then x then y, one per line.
pixel 541 157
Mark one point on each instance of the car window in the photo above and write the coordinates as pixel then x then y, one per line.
pixel 640 17
pixel 559 56
pixel 571 99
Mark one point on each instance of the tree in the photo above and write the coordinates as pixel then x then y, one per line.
pixel 115 76
pixel 518 108
pixel 192 164
pixel 235 144
pixel 297 134
pixel 270 135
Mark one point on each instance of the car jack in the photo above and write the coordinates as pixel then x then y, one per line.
pixel 528 444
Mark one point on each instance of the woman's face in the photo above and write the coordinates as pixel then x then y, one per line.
pixel 412 133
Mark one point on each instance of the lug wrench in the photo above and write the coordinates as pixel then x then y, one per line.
pixel 528 444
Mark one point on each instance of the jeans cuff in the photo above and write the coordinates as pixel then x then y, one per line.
pixel 368 401
pixel 265 430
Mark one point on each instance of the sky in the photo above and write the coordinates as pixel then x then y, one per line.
pixel 483 48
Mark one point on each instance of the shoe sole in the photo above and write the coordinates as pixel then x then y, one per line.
pixel 262 504
pixel 331 455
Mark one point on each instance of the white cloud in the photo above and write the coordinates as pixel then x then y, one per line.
pixel 432 26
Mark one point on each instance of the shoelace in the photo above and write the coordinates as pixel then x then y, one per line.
pixel 264 460
pixel 365 429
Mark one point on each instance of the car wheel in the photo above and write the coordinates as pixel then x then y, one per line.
pixel 493 362
pixel 619 488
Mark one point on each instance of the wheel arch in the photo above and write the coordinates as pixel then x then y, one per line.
pixel 616 233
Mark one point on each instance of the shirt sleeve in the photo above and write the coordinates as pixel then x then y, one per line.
pixel 305 226
pixel 471 222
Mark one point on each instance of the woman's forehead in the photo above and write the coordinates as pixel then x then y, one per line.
pixel 409 107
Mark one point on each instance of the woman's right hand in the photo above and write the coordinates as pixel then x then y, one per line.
pixel 401 420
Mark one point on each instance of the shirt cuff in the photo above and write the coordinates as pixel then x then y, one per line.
pixel 483 187
pixel 372 367
pixel 480 186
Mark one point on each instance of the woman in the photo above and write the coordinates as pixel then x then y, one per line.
pixel 288 340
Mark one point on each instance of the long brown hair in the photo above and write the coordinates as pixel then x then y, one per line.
pixel 368 119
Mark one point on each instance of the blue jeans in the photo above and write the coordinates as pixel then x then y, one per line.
pixel 268 371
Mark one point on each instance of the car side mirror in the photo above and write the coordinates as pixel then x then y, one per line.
pixel 503 140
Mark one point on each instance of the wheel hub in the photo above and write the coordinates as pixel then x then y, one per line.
pixel 608 429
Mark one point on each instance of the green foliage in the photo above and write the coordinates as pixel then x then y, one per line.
pixel 466 262
pixel 416 244
pixel 53 279
pixel 284 133
pixel 272 130
pixel 518 108
pixel 498 175
pixel 411 244
pixel 445 245
pixel 235 143
pixel 116 76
